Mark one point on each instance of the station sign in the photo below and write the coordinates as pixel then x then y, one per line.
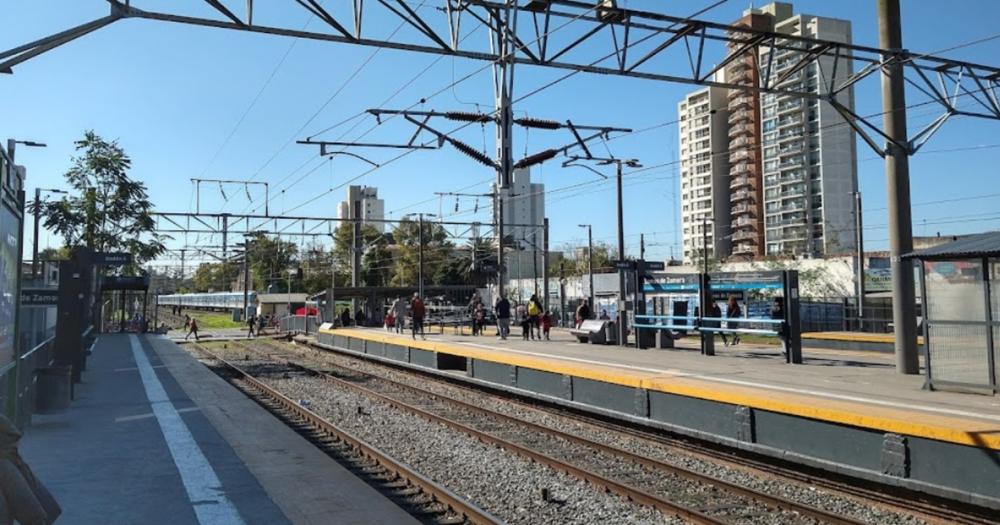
pixel 36 297
pixel 671 283
pixel 654 266
pixel 112 258
pixel 625 265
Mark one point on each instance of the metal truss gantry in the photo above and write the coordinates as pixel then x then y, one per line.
pixel 597 37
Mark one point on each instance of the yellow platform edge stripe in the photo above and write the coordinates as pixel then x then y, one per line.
pixel 953 429
pixel 855 337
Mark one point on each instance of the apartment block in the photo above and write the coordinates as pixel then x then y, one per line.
pixel 371 208
pixel 705 208
pixel 774 173
pixel 808 150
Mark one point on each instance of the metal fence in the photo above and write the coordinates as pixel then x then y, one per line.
pixel 841 314
pixel 300 323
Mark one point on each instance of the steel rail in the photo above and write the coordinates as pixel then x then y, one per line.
pixel 441 494
pixel 871 496
pixel 627 491
pixel 655 464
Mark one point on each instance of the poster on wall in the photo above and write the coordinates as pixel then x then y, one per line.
pixel 9 263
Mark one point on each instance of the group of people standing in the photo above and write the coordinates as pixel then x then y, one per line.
pixel 395 318
pixel 535 321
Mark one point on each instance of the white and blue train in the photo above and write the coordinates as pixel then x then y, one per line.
pixel 209 301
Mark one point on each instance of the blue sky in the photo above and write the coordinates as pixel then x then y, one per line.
pixel 172 95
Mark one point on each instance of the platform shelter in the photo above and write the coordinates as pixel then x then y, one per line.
pixel 961 283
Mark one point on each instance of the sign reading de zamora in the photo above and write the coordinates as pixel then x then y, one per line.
pixel 31 297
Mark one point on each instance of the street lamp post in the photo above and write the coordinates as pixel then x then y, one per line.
pixel 34 245
pixel 11 147
pixel 632 163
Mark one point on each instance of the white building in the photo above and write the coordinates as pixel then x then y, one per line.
pixel 704 181
pixel 808 150
pixel 372 208
pixel 523 205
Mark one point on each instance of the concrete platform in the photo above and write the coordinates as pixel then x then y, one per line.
pixel 155 437
pixel 846 411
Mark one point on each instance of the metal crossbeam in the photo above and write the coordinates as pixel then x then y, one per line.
pixel 583 36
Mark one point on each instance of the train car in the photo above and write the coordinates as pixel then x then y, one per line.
pixel 225 301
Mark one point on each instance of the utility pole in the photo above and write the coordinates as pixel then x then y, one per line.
pixel 897 171
pixel 246 277
pixel 356 254
pixel 859 270
pixel 420 255
pixel 642 246
pixel 590 262
pixel 34 247
pixel 545 265
pixel 562 292
pixel 333 282
pixel 704 246
pixel 622 299
pixel 502 42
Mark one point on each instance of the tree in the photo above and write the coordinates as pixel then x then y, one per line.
pixel 270 260
pixel 109 211
pixel 578 263
pixel 376 260
pixel 214 277
pixel 437 252
pixel 54 254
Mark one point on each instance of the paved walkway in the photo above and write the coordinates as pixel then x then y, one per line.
pixel 155 437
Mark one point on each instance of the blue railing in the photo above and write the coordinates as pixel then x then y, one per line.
pixel 699 324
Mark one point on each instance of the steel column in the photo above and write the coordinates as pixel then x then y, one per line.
pixel 897 171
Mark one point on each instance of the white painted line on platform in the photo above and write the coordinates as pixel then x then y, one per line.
pixel 150 414
pixel 135 368
pixel 204 490
pixel 680 373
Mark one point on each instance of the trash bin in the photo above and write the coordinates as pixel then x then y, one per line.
pixel 53 389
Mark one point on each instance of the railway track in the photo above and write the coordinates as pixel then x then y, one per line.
pixel 687 494
pixel 422 497
pixel 930 509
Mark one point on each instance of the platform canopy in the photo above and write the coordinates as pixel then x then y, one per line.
pixel 968 247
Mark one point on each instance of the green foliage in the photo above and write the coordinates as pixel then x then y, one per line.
pixel 107 211
pixel 214 277
pixel 270 260
pixel 437 253
pixel 575 261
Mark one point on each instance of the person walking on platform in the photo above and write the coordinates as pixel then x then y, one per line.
pixel 546 324
pixel 502 311
pixel 192 329
pixel 582 313
pixel 261 323
pixel 251 322
pixel 479 319
pixel 399 313
pixel 417 311
pixel 534 314
pixel 732 312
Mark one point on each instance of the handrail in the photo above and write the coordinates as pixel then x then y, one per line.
pixel 38 346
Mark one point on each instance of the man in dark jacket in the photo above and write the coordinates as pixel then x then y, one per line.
pixel 417 313
pixel 502 310
pixel 582 313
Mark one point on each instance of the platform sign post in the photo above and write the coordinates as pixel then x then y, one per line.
pixel 705 299
pixel 792 338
